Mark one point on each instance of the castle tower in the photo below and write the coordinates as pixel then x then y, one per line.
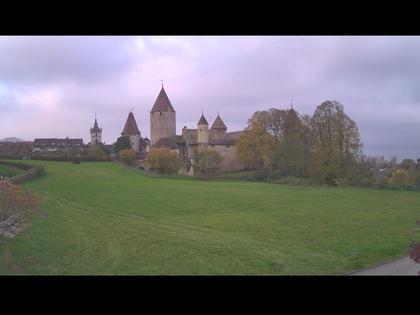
pixel 203 135
pixel 95 134
pixel 132 132
pixel 218 129
pixel 162 118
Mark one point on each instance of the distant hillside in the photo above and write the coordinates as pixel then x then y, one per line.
pixel 12 139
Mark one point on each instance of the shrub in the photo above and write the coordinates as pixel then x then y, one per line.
pixel 127 156
pixel 98 154
pixel 16 208
pixel 401 177
pixel 163 161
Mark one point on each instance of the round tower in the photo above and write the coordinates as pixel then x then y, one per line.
pixel 95 134
pixel 203 134
pixel 162 118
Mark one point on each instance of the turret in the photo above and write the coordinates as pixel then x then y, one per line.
pixel 218 129
pixel 203 135
pixel 132 132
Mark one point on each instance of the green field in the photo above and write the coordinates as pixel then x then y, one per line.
pixel 103 218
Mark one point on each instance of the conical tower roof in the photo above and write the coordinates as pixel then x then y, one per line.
pixel 162 104
pixel 203 121
pixel 218 123
pixel 130 127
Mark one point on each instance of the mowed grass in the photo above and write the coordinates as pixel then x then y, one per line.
pixel 103 218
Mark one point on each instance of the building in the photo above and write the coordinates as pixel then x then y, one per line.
pixel 95 134
pixel 162 119
pixel 217 138
pixel 163 134
pixel 138 144
pixel 16 149
pixel 54 145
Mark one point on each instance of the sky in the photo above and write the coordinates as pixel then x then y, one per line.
pixel 52 86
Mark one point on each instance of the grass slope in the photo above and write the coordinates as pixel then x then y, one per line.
pixel 102 218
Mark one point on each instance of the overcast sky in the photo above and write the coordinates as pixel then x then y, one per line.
pixel 52 86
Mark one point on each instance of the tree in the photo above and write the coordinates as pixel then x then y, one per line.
pixel 255 145
pixel 127 156
pixel 289 154
pixel 164 161
pixel 335 142
pixel 207 161
pixel 122 143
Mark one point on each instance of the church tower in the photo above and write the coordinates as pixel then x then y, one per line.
pixel 203 131
pixel 95 134
pixel 162 118
pixel 132 132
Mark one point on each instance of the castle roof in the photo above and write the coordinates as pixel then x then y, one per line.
pixel 169 143
pixel 162 103
pixel 130 127
pixel 203 121
pixel 218 123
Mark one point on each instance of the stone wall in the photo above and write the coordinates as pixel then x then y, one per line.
pixel 162 125
pixel 230 161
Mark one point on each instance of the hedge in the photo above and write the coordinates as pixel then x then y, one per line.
pixel 32 172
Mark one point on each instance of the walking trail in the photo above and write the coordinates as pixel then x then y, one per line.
pixel 400 267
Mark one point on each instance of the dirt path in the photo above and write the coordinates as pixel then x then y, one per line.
pixel 400 267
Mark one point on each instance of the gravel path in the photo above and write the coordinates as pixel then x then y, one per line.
pixel 400 267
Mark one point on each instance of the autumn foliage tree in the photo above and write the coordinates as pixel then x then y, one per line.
pixel 256 144
pixel 163 161
pixel 325 147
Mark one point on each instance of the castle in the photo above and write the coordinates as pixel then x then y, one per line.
pixel 163 135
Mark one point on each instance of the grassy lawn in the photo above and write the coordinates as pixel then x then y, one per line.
pixel 103 218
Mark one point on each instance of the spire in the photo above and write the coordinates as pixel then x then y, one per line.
pixel 95 126
pixel 291 104
pixel 162 103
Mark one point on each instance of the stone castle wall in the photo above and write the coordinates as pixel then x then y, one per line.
pixel 230 161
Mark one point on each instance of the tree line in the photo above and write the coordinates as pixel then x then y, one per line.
pixel 324 147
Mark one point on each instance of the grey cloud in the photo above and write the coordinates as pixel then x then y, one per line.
pixel 375 78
